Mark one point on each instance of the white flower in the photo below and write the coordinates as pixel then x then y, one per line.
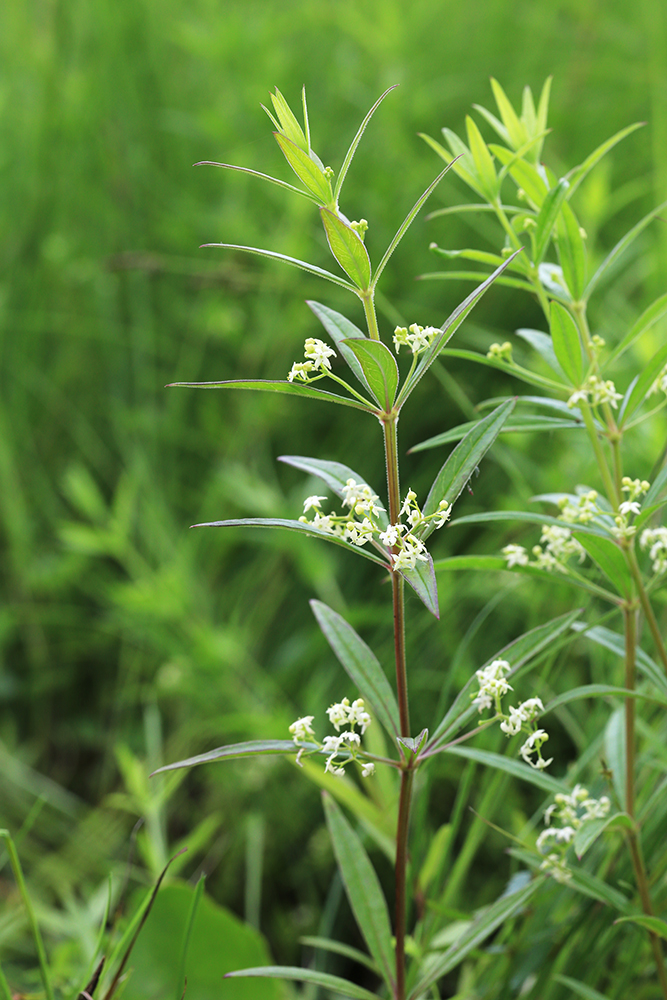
pixel 513 725
pixel 596 808
pixel 358 716
pixel 418 339
pixel 392 535
pixel 302 729
pixel 368 769
pixel 319 353
pixel 596 391
pixel 298 760
pixel 492 684
pixel 353 739
pixel 312 503
pixel 629 507
pixel 300 369
pixel 338 714
pixel 660 384
pixel 332 744
pixel 531 746
pixel 410 498
pixel 515 555
pixel 443 514
pixel 657 539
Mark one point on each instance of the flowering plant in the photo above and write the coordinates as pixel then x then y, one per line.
pixel 597 528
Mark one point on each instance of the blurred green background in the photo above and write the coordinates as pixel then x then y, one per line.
pixel 125 639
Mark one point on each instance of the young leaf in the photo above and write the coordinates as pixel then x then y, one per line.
pixel 546 218
pixel 567 344
pixel 524 175
pixel 616 644
pixel 304 265
pixel 485 923
pixel 531 518
pixel 355 142
pixel 360 664
pixel 621 246
pixel 587 834
pixel 328 982
pixel 348 248
pixel 459 467
pixel 337 948
pixel 334 474
pixel 341 329
pixel 609 557
pixel 233 750
pixel 652 924
pixel 379 367
pixel 460 160
pixel 577 174
pixel 423 582
pixel 544 346
pixel 519 423
pixel 308 529
pixel 291 388
pixel 288 121
pixel 306 170
pixel 363 889
pixel 571 251
pixel 486 173
pixel 516 130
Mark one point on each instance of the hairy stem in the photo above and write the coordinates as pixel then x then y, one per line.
pixel 369 311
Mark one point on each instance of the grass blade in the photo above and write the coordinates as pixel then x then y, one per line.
pixel 328 982
pixel 264 177
pixel 355 142
pixel 272 255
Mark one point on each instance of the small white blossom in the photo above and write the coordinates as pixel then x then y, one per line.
pixel 417 339
pixel 595 391
pixel 368 769
pixel 629 507
pixel 358 716
pixel 660 384
pixel 301 370
pixel 338 714
pixel 515 555
pixel 392 535
pixel 353 739
pixel 302 729
pixel 312 503
pixel 656 538
pixel 533 745
pixel 318 352
pixel 492 684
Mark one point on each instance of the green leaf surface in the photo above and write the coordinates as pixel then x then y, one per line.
pixel 531 378
pixel 577 174
pixel 348 248
pixel 341 329
pixel 288 121
pixel 546 219
pixel 363 889
pixel 361 665
pixel 333 983
pixel 652 924
pixel 233 750
pixel 637 391
pixel 596 691
pixel 516 130
pixel 504 279
pixel 290 388
pixel 485 170
pixel 272 255
pixel 530 518
pixel 543 344
pixel 510 765
pixel 264 177
pixel 566 343
pixel 519 423
pixel 571 251
pixel 488 564
pixel 609 557
pixel 616 644
pixel 582 881
pixel 423 582
pixel 334 474
pixel 621 247
pixel 524 175
pixel 647 319
pixel 449 327
pixel 656 489
pixel 308 529
pixel 460 465
pixel 484 924
pixel 589 832
pixel 553 281
pixel 306 169
pixel 337 948
pixel 580 989
pixel 379 367
pixel 355 142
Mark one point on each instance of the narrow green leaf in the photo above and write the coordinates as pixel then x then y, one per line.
pixel 553 281
pixel 449 327
pixel 304 265
pixel 544 346
pixel 308 529
pixel 657 487
pixel 457 160
pixel 495 123
pixel 499 564
pixel 337 948
pixel 289 122
pixel 614 743
pixel 637 392
pixel 360 664
pixel 341 329
pixel 306 170
pixel 567 343
pixel 515 128
pixel 531 378
pixel 334 474
pixel 652 924
pixel 520 423
pixel 589 832
pixel 363 889
pixel 531 518
pixel 524 175
pixel 577 174
pixel 483 161
pixel 647 319
pixel 479 256
pixel 328 982
pixel 264 177
pixel 355 142
pixel 580 989
pixel 379 367
pixel 582 881
pixel 290 388
pixel 407 222
pixel 621 247
pixel 348 248
pixel 546 219
pixel 423 582
pixel 473 207
pixel 597 691
pixel 510 765
pixel 484 924
pixel 616 644
pixel 234 750
pixel 504 280
pixel 571 251
pixel 609 557
pixel 543 105
pixel 460 465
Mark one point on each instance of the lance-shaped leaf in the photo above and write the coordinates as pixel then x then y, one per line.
pixel 333 984
pixel 486 564
pixel 360 664
pixel 621 247
pixel 355 142
pixel 598 691
pixel 423 582
pixel 334 474
pixel 652 924
pixel 306 170
pixel 459 467
pixel 523 374
pixel 379 367
pixel 250 749
pixel 524 175
pixel 485 170
pixel 582 881
pixel 520 423
pixel 589 832
pixel 616 644
pixel 272 255
pixel 348 248
pixel 609 557
pixel 577 174
pixel 567 343
pixel 264 177
pixel 546 218
pixel 638 389
pixel 484 924
pixel 341 329
pixel 301 526
pixel 287 121
pixel 530 518
pixel 363 889
pixel 510 765
pixel 337 948
pixel 571 251
pixel 290 388
pixel 543 344
pixel 449 327
pixel 580 989
pixel 650 316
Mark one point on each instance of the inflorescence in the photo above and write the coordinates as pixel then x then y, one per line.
pixel 493 684
pixel 571 812
pixel 348 743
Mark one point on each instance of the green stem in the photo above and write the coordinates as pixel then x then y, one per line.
pixel 368 300
pixel 32 919
pixel 609 484
pixel 401 872
pixel 646 606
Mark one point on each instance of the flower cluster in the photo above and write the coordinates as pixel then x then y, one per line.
pixel 493 684
pixel 635 488
pixel 500 352
pixel 595 391
pixel 571 812
pixel 560 545
pixel 656 538
pixel 317 355
pixel 361 524
pixel 340 714
pixel 660 384
pixel 417 338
